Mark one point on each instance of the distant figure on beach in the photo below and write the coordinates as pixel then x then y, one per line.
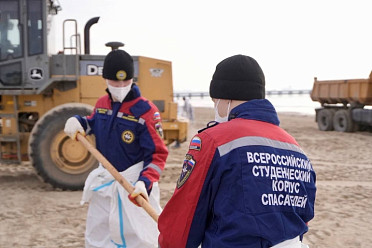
pixel 187 110
pixel 245 181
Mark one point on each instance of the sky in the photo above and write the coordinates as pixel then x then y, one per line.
pixel 292 40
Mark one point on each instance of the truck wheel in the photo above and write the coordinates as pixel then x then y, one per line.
pixel 325 119
pixel 59 160
pixel 342 121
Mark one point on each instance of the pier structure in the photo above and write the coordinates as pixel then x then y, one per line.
pixel 268 92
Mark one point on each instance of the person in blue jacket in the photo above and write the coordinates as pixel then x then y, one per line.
pixel 128 133
pixel 245 182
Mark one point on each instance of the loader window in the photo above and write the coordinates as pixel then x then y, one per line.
pixel 10 30
pixel 35 27
pixel 11 74
pixel 160 104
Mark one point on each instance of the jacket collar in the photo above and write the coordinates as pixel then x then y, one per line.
pixel 258 109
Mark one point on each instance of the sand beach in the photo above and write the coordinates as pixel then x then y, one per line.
pixel 34 214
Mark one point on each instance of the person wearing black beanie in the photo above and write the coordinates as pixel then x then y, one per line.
pixel 118 65
pixel 238 78
pixel 246 181
pixel 128 133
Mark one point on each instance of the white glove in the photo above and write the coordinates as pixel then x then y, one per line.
pixel 73 127
pixel 139 189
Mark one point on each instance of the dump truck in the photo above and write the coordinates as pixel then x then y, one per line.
pixel 345 104
pixel 40 90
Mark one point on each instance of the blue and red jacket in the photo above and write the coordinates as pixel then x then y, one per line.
pixel 244 183
pixel 129 132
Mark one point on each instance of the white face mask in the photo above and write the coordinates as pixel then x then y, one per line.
pixel 217 116
pixel 119 93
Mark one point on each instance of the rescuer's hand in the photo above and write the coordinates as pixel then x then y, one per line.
pixel 73 127
pixel 139 189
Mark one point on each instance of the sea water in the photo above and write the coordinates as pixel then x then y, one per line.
pixel 294 103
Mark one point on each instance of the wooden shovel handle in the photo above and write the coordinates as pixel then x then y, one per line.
pixel 118 177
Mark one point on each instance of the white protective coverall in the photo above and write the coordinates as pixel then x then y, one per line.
pixel 112 219
pixel 291 243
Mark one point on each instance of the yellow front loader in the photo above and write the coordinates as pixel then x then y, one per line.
pixel 40 91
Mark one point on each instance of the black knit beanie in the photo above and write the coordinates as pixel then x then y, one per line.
pixel 238 77
pixel 118 65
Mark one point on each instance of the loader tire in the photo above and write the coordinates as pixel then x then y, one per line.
pixel 325 119
pixel 59 160
pixel 343 122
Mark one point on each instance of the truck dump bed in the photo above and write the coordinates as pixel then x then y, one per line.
pixel 343 91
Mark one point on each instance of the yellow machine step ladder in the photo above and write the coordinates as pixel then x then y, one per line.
pixel 12 136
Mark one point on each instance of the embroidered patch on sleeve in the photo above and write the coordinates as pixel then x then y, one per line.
pixel 188 166
pixel 195 143
pixel 159 129
pixel 156 116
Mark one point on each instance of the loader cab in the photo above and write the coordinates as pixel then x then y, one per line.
pixel 23 43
